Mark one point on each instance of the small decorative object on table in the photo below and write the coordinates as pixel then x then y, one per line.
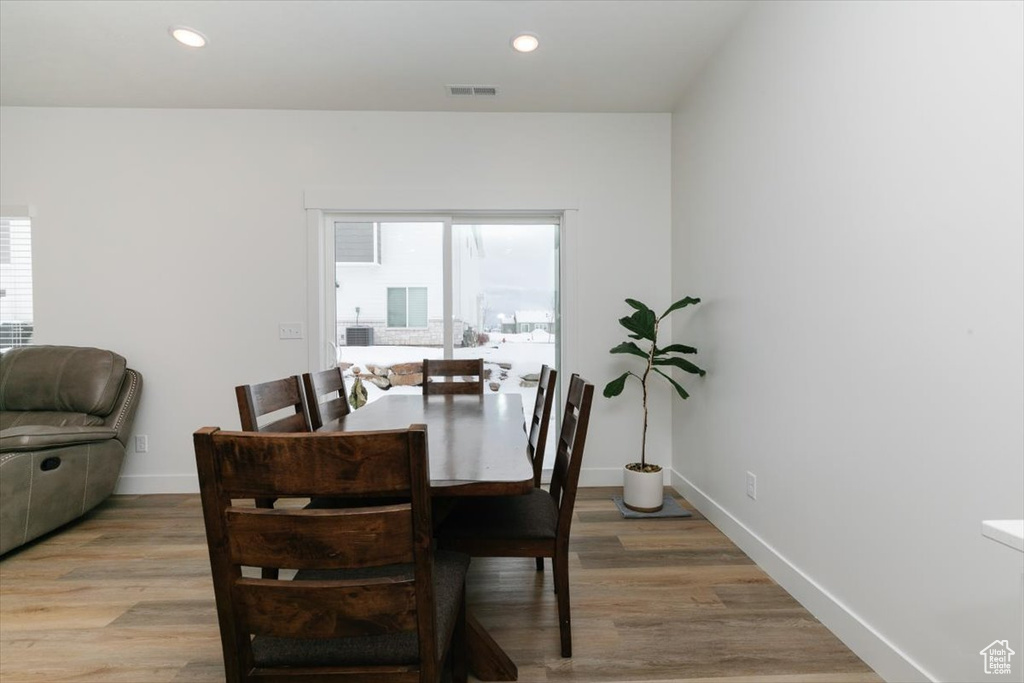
pixel 357 397
pixel 642 482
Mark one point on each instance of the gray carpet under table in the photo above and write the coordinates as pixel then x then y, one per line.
pixel 670 508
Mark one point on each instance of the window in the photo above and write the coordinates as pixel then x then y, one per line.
pixel 5 242
pixel 356 242
pixel 450 286
pixel 407 307
pixel 15 282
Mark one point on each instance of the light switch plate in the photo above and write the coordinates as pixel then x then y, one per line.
pixel 289 331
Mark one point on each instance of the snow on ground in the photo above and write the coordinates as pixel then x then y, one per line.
pixel 526 352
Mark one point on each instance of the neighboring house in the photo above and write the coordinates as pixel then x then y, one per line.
pixel 508 324
pixel 389 283
pixel 997 656
pixel 528 321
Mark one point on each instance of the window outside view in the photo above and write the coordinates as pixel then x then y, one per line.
pixel 15 282
pixel 390 300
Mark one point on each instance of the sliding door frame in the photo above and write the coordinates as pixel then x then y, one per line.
pixel 322 323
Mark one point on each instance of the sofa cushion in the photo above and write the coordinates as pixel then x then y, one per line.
pixel 46 418
pixel 60 378
pixel 37 438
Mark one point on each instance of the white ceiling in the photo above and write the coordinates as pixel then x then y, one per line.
pixel 595 56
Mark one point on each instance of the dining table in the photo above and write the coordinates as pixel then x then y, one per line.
pixel 476 446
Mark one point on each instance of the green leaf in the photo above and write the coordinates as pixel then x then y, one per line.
pixel 628 323
pixel 640 306
pixel 615 387
pixel 680 363
pixel 679 388
pixel 688 301
pixel 641 323
pixel 631 348
pixel 675 348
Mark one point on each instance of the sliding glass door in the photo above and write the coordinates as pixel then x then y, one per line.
pixel 389 300
pixel 442 287
pixel 505 301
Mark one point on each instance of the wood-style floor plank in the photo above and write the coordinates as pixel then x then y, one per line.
pixel 124 595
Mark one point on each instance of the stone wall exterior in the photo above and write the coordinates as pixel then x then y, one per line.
pixel 432 335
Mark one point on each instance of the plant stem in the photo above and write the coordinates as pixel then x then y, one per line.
pixel 643 382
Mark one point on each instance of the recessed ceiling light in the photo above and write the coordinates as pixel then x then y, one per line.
pixel 188 36
pixel 525 42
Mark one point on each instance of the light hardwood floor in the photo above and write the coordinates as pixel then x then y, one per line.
pixel 124 594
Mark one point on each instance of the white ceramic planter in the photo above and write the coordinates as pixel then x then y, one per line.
pixel 642 491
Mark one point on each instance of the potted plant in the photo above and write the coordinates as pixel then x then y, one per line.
pixel 642 488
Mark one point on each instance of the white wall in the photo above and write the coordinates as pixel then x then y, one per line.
pixel 847 197
pixel 129 200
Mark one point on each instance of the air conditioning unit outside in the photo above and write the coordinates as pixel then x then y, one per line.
pixel 358 336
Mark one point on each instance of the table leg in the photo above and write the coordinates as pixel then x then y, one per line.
pixel 486 658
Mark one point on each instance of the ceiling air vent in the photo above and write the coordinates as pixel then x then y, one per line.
pixel 472 90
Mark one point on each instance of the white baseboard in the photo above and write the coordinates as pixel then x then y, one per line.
pixel 879 653
pixel 596 476
pixel 141 484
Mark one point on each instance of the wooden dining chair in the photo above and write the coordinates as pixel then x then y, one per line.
pixel 268 398
pixel 537 439
pixel 255 401
pixel 371 600
pixel 536 524
pixel 454 373
pixel 330 383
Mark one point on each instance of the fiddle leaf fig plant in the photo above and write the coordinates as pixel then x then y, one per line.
pixel 642 326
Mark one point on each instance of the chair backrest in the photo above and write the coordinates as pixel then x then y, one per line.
pixel 566 472
pixel 236 467
pixel 538 437
pixel 257 400
pixel 455 371
pixel 325 383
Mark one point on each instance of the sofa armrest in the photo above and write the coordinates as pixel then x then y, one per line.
pixel 40 437
pixel 122 417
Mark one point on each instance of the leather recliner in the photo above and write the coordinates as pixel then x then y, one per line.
pixel 66 413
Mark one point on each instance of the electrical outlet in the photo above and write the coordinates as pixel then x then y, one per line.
pixel 289 331
pixel 752 485
pixel 141 443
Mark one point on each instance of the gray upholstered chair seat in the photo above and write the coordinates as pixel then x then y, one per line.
pixel 534 515
pixel 396 648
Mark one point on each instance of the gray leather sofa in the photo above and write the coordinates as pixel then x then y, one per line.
pixel 66 413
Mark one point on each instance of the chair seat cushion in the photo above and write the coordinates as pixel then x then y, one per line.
pixel 394 648
pixel 46 418
pixel 37 437
pixel 534 515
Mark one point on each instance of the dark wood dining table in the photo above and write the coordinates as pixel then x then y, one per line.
pixel 476 447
